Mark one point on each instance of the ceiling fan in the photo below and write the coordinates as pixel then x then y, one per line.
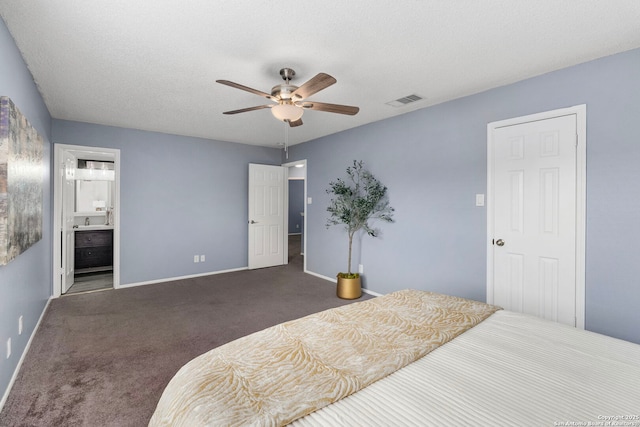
pixel 290 99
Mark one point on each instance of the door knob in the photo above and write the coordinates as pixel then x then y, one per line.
pixel 500 242
pixel 253 222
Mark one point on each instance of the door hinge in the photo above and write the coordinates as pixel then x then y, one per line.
pixel 61 271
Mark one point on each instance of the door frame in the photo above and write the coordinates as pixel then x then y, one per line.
pixel 304 223
pixel 58 158
pixel 580 111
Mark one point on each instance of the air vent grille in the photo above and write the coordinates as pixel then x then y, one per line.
pixel 405 100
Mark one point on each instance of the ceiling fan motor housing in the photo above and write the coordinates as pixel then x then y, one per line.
pixel 283 91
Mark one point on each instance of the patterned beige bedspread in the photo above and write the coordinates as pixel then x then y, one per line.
pixel 285 372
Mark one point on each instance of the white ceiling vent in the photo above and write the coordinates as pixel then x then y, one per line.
pixel 405 100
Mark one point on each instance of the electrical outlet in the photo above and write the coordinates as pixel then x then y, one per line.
pixel 297 225
pixel 20 324
pixel 8 348
pixel 360 268
pixel 201 258
pixel 196 258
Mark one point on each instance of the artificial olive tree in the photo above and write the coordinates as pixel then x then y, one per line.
pixel 355 203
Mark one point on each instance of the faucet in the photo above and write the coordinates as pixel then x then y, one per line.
pixel 109 216
pixel 86 221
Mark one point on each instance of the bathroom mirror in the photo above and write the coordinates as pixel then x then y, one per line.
pixel 92 196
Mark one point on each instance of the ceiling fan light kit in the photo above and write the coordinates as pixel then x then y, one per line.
pixel 289 98
pixel 287 112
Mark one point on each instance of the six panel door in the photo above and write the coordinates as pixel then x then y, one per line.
pixel 266 216
pixel 534 187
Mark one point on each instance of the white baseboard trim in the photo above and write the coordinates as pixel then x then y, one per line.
pixel 171 279
pixel 333 279
pixel 372 293
pixel 24 354
pixel 330 279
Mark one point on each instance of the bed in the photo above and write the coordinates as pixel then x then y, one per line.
pixel 410 358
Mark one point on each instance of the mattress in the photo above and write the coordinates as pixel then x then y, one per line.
pixel 511 369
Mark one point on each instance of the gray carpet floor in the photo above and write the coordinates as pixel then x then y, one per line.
pixel 104 358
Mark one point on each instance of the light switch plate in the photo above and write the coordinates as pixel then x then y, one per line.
pixel 479 199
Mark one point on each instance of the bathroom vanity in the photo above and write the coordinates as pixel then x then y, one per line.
pixel 93 248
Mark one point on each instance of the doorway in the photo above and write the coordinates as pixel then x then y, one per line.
pixel 86 241
pixel 296 208
pixel 536 214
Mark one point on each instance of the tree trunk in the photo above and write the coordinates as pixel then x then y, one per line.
pixel 350 245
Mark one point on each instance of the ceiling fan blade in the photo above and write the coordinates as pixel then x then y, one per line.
pixel 244 110
pixel 316 84
pixel 295 123
pixel 329 108
pixel 247 88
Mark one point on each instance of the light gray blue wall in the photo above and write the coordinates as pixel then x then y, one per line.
pixel 180 196
pixel 296 205
pixel 25 283
pixel 434 162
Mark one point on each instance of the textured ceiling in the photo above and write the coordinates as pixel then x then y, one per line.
pixel 152 64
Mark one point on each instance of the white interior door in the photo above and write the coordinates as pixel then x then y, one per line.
pixel 534 218
pixel 68 210
pixel 266 216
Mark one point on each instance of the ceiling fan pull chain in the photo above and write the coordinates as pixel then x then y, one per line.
pixel 286 140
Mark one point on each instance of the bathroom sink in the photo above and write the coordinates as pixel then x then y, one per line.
pixel 93 227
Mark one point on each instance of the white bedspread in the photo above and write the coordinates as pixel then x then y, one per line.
pixel 510 370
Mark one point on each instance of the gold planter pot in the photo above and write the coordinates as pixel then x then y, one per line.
pixel 349 288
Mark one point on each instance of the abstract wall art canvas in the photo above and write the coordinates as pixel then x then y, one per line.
pixel 21 182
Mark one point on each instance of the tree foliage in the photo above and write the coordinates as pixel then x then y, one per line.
pixel 358 201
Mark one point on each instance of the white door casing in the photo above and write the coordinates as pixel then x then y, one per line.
pixel 267 219
pixel 535 217
pixel 61 236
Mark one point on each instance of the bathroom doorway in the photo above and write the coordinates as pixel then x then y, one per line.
pixel 86 219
